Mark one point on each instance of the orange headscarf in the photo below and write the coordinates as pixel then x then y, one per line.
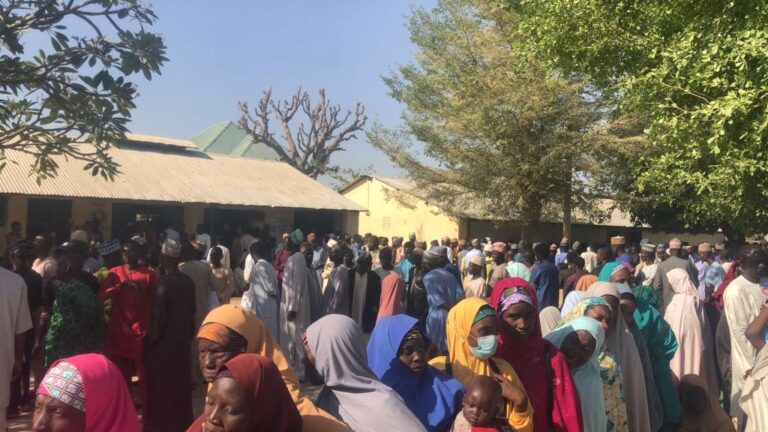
pixel 585 282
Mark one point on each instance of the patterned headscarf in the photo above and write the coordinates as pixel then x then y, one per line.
pixel 64 383
pixel 513 296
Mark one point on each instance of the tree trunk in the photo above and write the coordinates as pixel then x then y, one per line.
pixel 530 214
pixel 567 210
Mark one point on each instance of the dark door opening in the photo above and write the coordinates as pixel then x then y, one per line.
pixel 51 216
pixel 318 221
pixel 129 218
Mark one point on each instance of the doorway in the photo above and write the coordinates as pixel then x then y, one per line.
pixel 50 216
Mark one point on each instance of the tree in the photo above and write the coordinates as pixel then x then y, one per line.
pixel 498 130
pixel 74 90
pixel 697 72
pixel 309 148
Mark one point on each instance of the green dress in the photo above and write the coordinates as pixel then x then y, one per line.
pixel 77 323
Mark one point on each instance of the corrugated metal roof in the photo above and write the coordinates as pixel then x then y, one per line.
pixel 229 138
pixel 474 209
pixel 160 141
pixel 178 176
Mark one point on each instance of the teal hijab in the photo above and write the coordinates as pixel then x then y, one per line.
pixel 605 273
pixel 587 378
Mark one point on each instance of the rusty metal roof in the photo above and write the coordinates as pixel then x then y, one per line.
pixel 170 173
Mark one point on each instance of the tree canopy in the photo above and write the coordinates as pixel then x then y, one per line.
pixel 697 73
pixel 515 137
pixel 75 87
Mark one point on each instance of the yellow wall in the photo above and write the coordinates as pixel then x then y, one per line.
pixel 397 214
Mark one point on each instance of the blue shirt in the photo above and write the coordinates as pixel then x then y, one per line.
pixel 545 279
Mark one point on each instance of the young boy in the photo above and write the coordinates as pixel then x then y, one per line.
pixel 482 402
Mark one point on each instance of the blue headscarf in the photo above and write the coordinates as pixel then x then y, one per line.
pixel 432 396
pixel 605 273
pixel 587 377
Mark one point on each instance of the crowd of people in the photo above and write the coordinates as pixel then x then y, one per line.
pixel 398 334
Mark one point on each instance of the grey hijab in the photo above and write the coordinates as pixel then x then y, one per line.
pixel 352 393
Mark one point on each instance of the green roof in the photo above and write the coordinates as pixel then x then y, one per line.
pixel 228 138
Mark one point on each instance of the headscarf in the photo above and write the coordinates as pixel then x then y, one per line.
pixel 464 365
pixel 645 293
pixel 296 237
pixel 518 270
pixel 729 277
pixel 529 355
pixel 685 314
pixel 587 377
pixel 259 380
pixel 392 293
pixel 549 317
pixel 585 282
pixel 607 271
pixel 260 341
pixel 432 396
pixel 352 392
pixel 581 308
pixel 92 384
pixel 621 344
pixel 571 300
pixel 714 418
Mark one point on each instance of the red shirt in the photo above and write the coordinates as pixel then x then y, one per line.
pixel 131 293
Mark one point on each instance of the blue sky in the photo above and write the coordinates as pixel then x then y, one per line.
pixel 224 52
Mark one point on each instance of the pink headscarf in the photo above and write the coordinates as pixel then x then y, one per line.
pixel 108 404
pixel 392 291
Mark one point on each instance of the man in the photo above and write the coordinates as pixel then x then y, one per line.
pixel 356 245
pixel 590 258
pixel 76 325
pixel 203 238
pixel 515 249
pixel 444 252
pixel 646 270
pixel 111 253
pixel 226 256
pixel 15 322
pixel 528 259
pixel 702 266
pixel 603 257
pixel 167 344
pixel 443 292
pixel 475 250
pixel 386 257
pixel 172 232
pixel 474 283
pixel 21 256
pixel 364 294
pixel 314 291
pixel 576 265
pixel 397 248
pixel 660 282
pixel 661 253
pixel 743 300
pixel 619 250
pixel 416 304
pixel 499 269
pixel 131 288
pixel 446 241
pixel 281 259
pixel 294 302
pixel 404 265
pixel 545 277
pixel 44 264
pixel 335 295
pixel 202 277
pixel 262 295
pixel 319 256
pixel 488 253
pixel 562 252
pixel 13 236
pixel 372 247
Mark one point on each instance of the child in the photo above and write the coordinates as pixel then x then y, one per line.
pixel 482 402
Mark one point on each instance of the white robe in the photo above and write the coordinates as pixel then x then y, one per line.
pixel 743 300
pixel 262 296
pixel 14 319
pixel 294 296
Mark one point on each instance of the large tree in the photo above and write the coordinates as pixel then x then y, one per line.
pixel 497 129
pixel 75 87
pixel 309 147
pixel 697 73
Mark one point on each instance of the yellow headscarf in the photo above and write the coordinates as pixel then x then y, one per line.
pixel 246 324
pixel 464 365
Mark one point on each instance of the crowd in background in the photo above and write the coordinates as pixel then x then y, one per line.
pixel 450 334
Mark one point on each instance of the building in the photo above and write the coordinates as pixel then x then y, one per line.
pixel 163 181
pixel 228 138
pixel 396 207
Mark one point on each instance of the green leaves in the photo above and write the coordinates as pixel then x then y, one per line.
pixel 77 89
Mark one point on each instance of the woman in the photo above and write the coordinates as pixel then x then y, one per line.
pixel 84 393
pixel 518 270
pixel 585 282
pixel 472 329
pixel 544 372
pixel 248 395
pixel 571 300
pixel 580 341
pixel 230 330
pixel 685 314
pixel 549 317
pixel 223 282
pixel 621 344
pixel 599 310
pixel 392 294
pixel 397 355
pixel 701 409
pixel 336 358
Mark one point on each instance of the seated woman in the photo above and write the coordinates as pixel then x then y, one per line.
pixel 335 358
pixel 472 329
pixel 84 393
pixel 599 310
pixel 397 355
pixel 542 367
pixel 230 330
pixel 580 341
pixel 248 395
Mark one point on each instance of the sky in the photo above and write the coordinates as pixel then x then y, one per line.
pixel 229 51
